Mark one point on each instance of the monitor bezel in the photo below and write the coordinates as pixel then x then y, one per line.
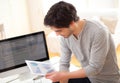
pixel 21 36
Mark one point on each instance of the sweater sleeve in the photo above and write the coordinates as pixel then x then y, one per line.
pixel 99 50
pixel 65 56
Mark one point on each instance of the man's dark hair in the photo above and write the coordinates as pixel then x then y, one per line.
pixel 61 15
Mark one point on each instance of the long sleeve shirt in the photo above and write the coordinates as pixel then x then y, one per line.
pixel 95 50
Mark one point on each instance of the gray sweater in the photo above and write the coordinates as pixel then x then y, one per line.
pixel 95 50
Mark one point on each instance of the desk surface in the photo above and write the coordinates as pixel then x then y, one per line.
pixel 16 79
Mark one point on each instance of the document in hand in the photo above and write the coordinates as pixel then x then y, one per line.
pixel 40 68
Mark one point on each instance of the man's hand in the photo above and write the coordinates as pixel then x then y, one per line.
pixel 57 76
pixel 64 75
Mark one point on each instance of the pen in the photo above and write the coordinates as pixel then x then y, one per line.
pixel 38 77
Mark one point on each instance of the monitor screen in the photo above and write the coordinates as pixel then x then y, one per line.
pixel 14 51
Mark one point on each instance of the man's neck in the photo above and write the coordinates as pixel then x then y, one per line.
pixel 79 27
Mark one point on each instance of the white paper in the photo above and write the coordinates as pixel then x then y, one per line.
pixel 40 68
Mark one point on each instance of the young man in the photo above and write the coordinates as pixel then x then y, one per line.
pixel 89 41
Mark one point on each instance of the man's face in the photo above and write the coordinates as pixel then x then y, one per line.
pixel 65 32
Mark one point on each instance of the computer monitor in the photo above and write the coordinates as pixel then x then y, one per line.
pixel 14 51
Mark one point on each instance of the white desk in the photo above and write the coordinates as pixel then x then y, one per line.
pixel 29 79
pixel 41 80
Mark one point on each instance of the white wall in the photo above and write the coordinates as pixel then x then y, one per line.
pixel 25 16
pixel 14 16
pixel 36 15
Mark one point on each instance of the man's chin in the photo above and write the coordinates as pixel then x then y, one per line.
pixel 65 36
